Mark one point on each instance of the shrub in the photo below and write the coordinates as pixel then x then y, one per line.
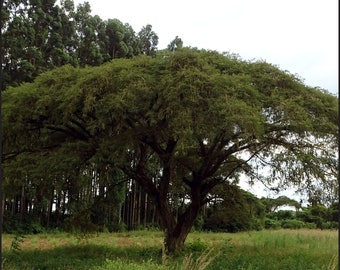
pixel 329 225
pixel 256 224
pixel 197 245
pixel 119 227
pixel 198 226
pixel 310 225
pixel 224 221
pixel 282 215
pixel 272 224
pixel 28 225
pixel 292 224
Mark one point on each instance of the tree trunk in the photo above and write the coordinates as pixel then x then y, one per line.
pixel 133 206
pixel 174 241
pixel 176 231
pixel 145 208
pixel 3 204
pixel 57 208
pixel 22 204
pixel 139 204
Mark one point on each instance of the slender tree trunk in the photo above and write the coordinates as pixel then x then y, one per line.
pixel 63 206
pixel 134 206
pixel 139 208
pixel 16 205
pixel 22 203
pixel 3 204
pixel 129 213
pixel 12 205
pixel 123 211
pixel 57 208
pixel 119 213
pixel 145 208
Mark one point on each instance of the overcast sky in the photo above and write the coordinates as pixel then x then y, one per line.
pixel 300 36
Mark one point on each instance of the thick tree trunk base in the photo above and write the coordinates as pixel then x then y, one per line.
pixel 174 242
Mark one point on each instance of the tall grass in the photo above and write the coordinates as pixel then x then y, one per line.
pixel 333 264
pixel 202 262
pixel 141 250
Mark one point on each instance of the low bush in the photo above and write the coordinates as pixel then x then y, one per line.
pixel 329 225
pixel 292 224
pixel 272 224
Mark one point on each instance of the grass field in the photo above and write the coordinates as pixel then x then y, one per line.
pixel 140 250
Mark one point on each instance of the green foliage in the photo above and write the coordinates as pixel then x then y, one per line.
pixel 16 242
pixel 319 215
pixel 314 216
pixel 181 124
pixel 196 245
pixel 26 224
pixel 202 262
pixel 120 227
pixel 282 214
pixel 292 224
pixel 199 223
pixel 272 224
pixel 39 36
pixel 238 211
pixel 123 265
pixel 176 44
pixel 148 40
pixel 189 263
pixel 333 212
pixel 273 204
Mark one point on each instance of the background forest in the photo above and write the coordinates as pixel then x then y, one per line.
pixel 40 35
pixel 64 192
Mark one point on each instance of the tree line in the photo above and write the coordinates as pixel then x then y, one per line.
pixel 39 35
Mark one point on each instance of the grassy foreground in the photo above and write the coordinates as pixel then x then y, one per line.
pixel 139 250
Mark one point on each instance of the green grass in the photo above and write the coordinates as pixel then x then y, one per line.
pixel 141 250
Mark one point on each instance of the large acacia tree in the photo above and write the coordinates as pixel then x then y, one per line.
pixel 188 121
